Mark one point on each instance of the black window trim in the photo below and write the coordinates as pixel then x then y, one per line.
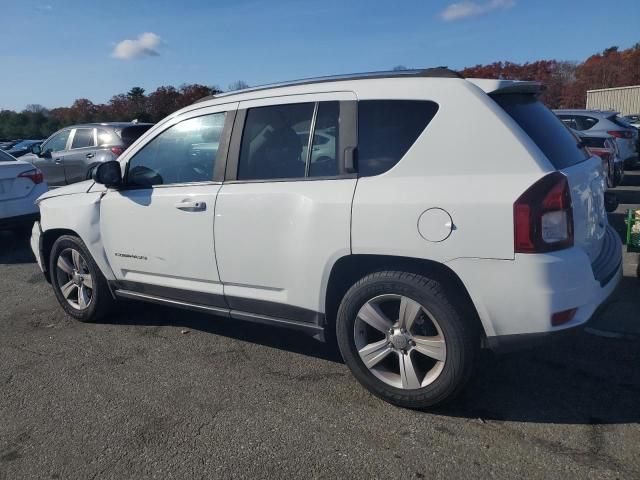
pixel 219 166
pixel 348 141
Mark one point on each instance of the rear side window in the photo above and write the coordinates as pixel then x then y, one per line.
pixel 544 128
pixel 387 129
pixel 275 142
pixel 83 138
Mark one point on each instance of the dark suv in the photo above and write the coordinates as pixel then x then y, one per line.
pixel 70 154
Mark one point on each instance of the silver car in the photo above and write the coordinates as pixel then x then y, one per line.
pixel 70 154
pixel 605 123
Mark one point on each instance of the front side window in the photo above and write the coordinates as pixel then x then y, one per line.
pixel 184 153
pixel 386 131
pixel 57 143
pixel 83 138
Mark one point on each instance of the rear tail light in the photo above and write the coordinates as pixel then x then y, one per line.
pixel 560 318
pixel 543 216
pixel 620 133
pixel 117 151
pixel 34 175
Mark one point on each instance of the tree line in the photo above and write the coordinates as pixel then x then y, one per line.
pixel 566 82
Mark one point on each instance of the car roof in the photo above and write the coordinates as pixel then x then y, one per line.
pixel 488 85
pixel 582 111
pixel 109 124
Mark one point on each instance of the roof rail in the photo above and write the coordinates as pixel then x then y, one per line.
pixel 437 72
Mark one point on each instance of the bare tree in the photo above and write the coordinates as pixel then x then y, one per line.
pixel 238 85
pixel 35 108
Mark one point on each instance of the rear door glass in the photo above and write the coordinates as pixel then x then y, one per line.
pixel 544 128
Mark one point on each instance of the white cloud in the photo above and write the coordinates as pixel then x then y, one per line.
pixel 458 11
pixel 145 45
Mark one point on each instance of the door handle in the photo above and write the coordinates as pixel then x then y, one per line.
pixel 58 161
pixel 188 206
pixel 91 155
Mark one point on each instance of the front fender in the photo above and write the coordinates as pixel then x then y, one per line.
pixel 79 213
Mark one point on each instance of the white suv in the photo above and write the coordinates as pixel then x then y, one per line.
pixel 431 217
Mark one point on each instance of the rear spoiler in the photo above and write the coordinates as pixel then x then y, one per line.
pixel 497 87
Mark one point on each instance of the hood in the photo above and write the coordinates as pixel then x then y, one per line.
pixel 80 187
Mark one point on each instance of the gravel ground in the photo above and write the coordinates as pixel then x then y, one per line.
pixel 163 393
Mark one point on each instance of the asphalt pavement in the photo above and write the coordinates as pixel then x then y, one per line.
pixel 155 392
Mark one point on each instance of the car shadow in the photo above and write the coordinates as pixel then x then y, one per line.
pixel 582 380
pixel 15 248
pixel 150 315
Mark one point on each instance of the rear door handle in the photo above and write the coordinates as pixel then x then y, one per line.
pixel 188 206
pixel 91 155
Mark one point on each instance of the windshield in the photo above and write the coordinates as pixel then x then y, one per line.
pixel 544 128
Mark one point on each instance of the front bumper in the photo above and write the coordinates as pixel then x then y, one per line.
pixel 36 244
pixel 516 299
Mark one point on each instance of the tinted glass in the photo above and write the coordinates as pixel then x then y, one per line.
pixel 184 153
pixel 544 128
pixel 57 142
pixel 387 129
pixel 5 157
pixel 274 142
pixel 324 151
pixel 585 123
pixel 83 138
pixel 131 134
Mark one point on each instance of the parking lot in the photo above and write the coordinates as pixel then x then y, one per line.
pixel 157 392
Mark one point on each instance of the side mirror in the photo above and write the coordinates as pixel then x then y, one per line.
pixel 36 150
pixel 108 173
pixel 45 154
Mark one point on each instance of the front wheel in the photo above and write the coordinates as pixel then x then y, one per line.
pixel 404 341
pixel 77 282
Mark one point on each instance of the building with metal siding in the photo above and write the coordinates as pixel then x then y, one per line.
pixel 625 100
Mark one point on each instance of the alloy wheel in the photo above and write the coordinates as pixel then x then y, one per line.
pixel 400 341
pixel 74 279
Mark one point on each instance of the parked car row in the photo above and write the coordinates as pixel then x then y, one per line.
pixel 66 157
pixel 606 124
pixel 20 185
pixel 347 208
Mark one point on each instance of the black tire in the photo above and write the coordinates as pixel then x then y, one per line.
pixel 458 325
pixel 101 302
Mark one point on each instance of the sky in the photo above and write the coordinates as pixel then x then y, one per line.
pixel 55 51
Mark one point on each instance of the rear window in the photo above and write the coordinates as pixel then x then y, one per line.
pixel 544 128
pixel 131 134
pixel 620 121
pixel 387 129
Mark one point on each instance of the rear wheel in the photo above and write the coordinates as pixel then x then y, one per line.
pixel 404 341
pixel 79 286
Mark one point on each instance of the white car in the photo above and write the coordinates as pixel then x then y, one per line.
pixel 412 250
pixel 20 185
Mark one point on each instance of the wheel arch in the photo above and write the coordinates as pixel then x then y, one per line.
pixel 47 239
pixel 349 269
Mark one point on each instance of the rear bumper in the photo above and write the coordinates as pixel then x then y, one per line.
pixel 516 299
